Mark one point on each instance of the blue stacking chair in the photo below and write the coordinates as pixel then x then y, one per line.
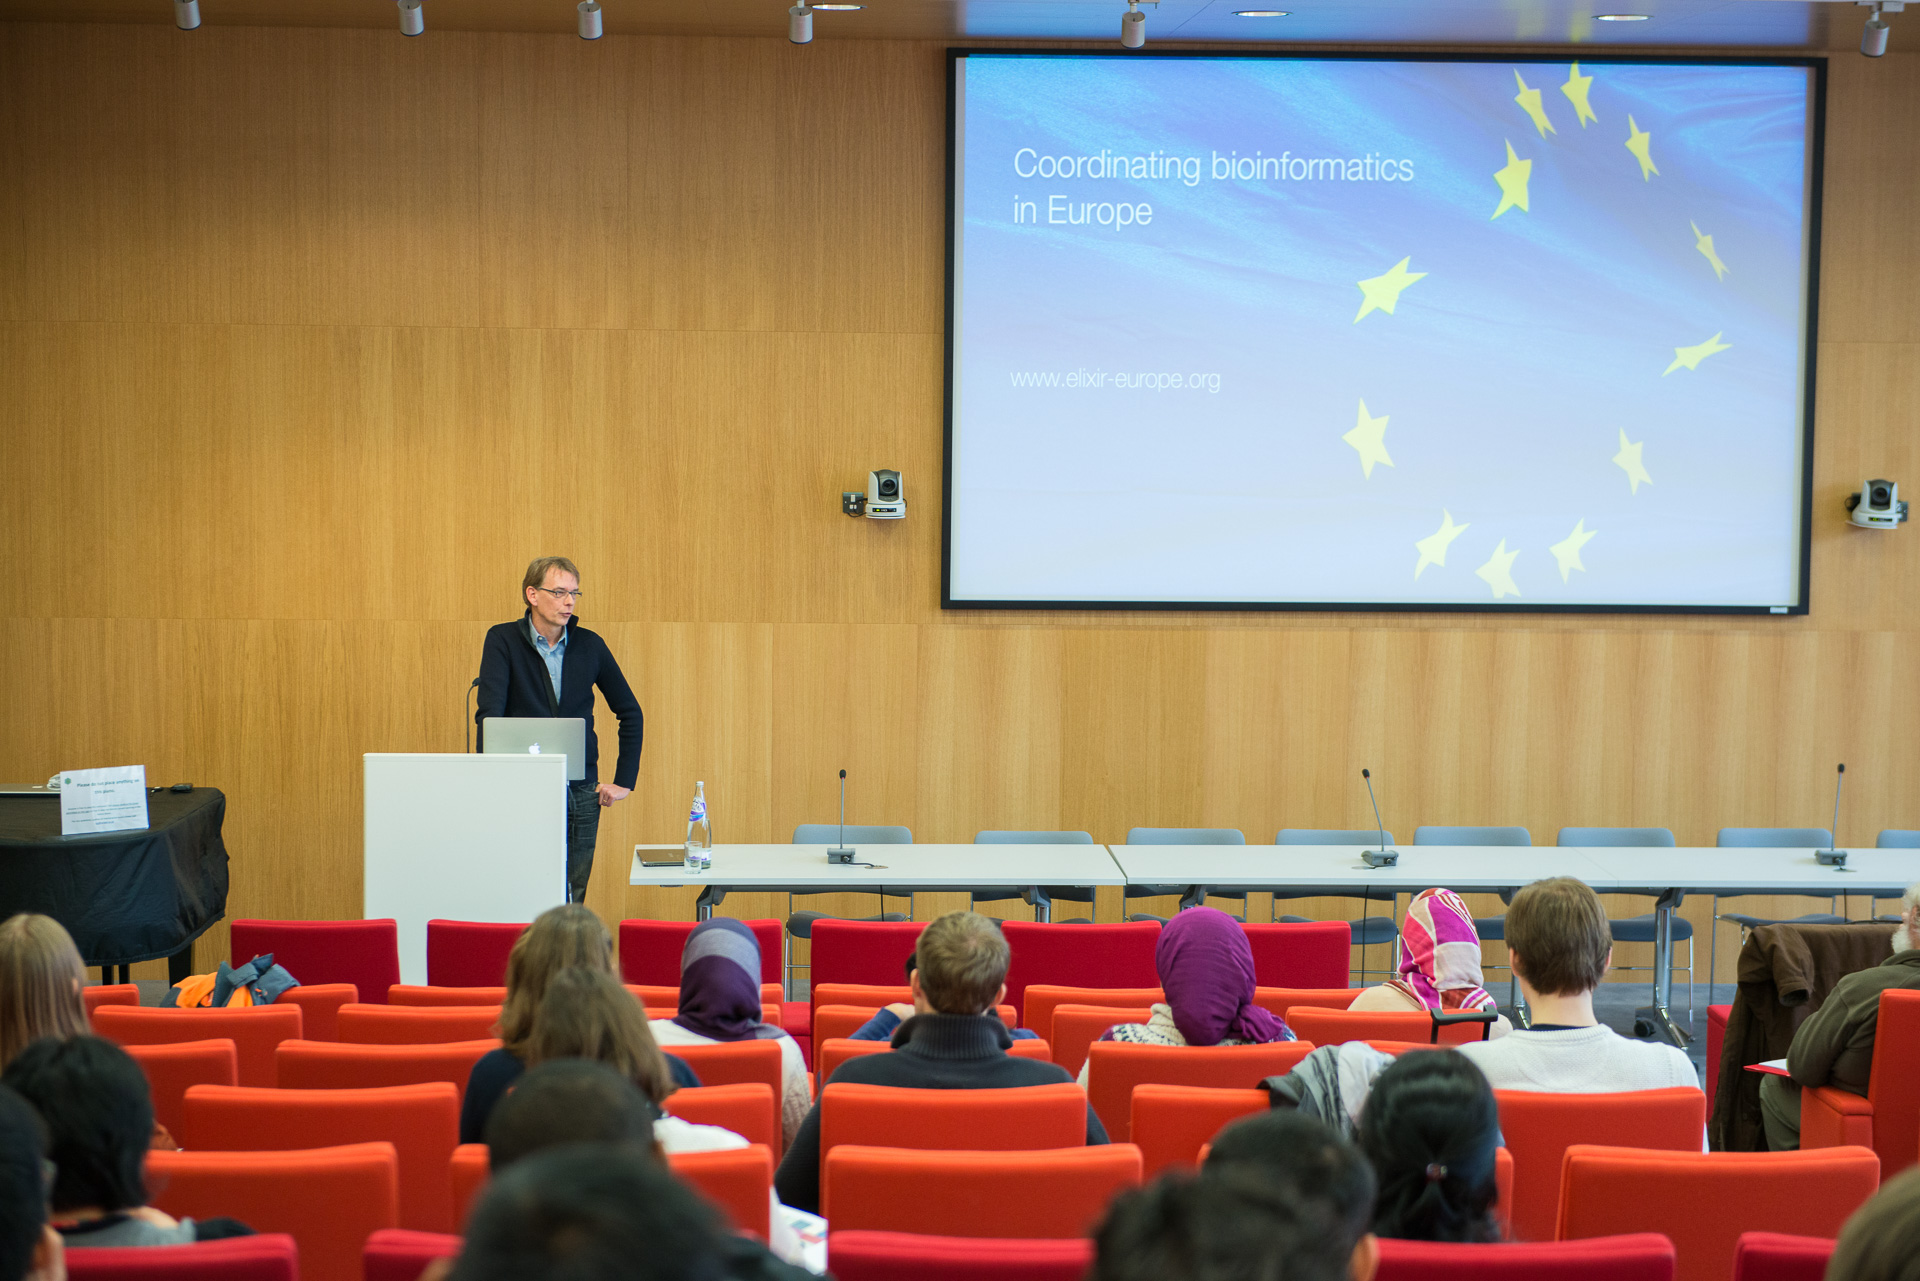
pixel 1637 929
pixel 1368 929
pixel 1768 838
pixel 1893 838
pixel 1183 836
pixel 800 924
pixel 1058 893
pixel 1488 927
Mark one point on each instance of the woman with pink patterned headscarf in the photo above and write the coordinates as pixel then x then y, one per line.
pixel 1439 962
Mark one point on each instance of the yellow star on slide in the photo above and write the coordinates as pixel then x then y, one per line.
pixel 1628 461
pixel 1513 183
pixel 1640 143
pixel 1567 550
pixel 1529 100
pixel 1704 244
pixel 1576 90
pixel 1498 571
pixel 1433 548
pixel 1382 293
pixel 1690 357
pixel 1368 439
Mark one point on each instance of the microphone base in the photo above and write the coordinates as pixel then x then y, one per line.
pixel 1380 858
pixel 1830 858
pixel 839 855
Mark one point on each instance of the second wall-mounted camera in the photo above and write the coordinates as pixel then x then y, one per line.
pixel 886 498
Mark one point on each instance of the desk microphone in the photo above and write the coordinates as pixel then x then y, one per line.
pixel 1831 856
pixel 465 702
pixel 840 853
pixel 1382 857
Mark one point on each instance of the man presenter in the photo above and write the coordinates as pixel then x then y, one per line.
pixel 546 665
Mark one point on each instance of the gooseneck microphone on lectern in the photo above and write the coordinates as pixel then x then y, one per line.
pixel 1832 856
pixel 840 853
pixel 1382 857
pixel 467 703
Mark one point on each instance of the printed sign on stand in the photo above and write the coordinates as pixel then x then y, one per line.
pixel 103 800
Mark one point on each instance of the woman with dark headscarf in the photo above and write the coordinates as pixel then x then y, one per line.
pixel 720 1001
pixel 1206 971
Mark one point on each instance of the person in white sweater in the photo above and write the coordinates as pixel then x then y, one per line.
pixel 1560 947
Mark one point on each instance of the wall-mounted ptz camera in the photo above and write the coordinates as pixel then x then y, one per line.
pixel 1877 506
pixel 886 498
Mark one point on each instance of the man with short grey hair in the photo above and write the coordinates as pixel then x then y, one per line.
pixel 547 665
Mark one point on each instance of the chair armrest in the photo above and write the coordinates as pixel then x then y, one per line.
pixel 1834 1118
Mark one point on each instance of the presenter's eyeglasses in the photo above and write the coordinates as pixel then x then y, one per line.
pixel 561 593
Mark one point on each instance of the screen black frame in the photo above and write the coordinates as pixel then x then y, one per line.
pixel 1816 181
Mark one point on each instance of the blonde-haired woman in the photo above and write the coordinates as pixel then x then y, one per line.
pixel 41 975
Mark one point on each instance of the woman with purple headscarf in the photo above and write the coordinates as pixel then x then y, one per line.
pixel 720 1001
pixel 1206 971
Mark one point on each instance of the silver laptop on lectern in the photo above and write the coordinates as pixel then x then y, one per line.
pixel 538 736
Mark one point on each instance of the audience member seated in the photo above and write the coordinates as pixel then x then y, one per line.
pixel 1430 1130
pixel 1439 962
pixel 1330 1084
pixel 954 1041
pixel 720 1001
pixel 30 1249
pixel 1313 1164
pixel 1835 1045
pixel 568 1101
pixel 569 937
pixel 1560 947
pixel 99 1115
pixel 1206 971
pixel 888 1018
pixel 1881 1242
pixel 41 975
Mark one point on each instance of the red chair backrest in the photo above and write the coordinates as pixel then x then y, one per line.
pixel 730 1062
pixel 1024 1117
pixel 737 1180
pixel 1115 1067
pixel 415 995
pixel 1042 999
pixel 1540 1127
pixel 110 994
pixel 1300 954
pixel 421 1121
pixel 468 953
pixel 1336 1027
pixel 829 1055
pixel 650 950
pixel 467 1173
pixel 1775 1256
pixel 1079 956
pixel 1279 1000
pixel 862 951
pixel 397 1254
pixel 271 1256
pixel 1703 1201
pixel 835 1022
pixel 172 1069
pixel 363 953
pixel 319 1005
pixel 1075 1027
pixel 328 1199
pixel 1642 1256
pixel 1049 1192
pixel 659 998
pixel 254 1031
pixel 338 1065
pixel 887 1256
pixel 1171 1123
pixel 416 1025
pixel 1895 1093
pixel 749 1108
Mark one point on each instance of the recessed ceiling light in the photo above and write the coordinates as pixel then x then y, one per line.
pixel 1621 17
pixel 1261 13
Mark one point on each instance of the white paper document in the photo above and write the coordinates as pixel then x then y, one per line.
pixel 103 800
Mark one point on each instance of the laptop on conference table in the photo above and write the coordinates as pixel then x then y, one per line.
pixel 538 736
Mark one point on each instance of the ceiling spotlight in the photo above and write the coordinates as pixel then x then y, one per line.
pixel 1262 13
pixel 1133 26
pixel 1621 17
pixel 590 19
pixel 1873 40
pixel 186 14
pixel 800 23
pixel 412 21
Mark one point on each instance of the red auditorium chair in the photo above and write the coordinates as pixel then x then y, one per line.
pixel 1642 1256
pixel 749 1108
pixel 319 1005
pixel 834 1053
pixel 1116 1067
pixel 109 994
pixel 363 953
pixel 859 952
pixel 337 1065
pixel 1337 1026
pixel 1774 1256
pixel 328 1199
pixel 415 995
pixel 1171 1123
pixel 1301 954
pixel 271 1256
pixel 254 1031
pixel 1717 1016
pixel 1018 1118
pixel 887 1256
pixel 1278 1000
pixel 468 953
pixel 1048 1192
pixel 171 1069
pixel 1538 1128
pixel 650 950
pixel 1075 1027
pixel 657 997
pixel 422 1122
pixel 1042 999
pixel 416 1025
pixel 1703 1201
pixel 1079 956
pixel 467 1173
pixel 730 1062
pixel 836 1022
pixel 396 1254
pixel 739 1181
pixel 1888 1119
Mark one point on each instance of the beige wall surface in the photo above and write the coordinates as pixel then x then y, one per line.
pixel 310 339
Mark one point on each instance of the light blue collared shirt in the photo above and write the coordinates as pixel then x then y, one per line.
pixel 553 654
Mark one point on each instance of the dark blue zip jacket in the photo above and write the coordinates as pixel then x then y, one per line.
pixel 514 682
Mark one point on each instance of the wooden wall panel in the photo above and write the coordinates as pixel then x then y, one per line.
pixel 309 339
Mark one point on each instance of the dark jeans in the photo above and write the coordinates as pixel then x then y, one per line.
pixel 583 827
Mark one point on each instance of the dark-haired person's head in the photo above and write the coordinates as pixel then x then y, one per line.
pixel 1881 1242
pixel 1231 1224
pixel 1308 1159
pixel 590 1212
pixel 99 1117
pixel 568 1101
pixel 30 1250
pixel 1430 1130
